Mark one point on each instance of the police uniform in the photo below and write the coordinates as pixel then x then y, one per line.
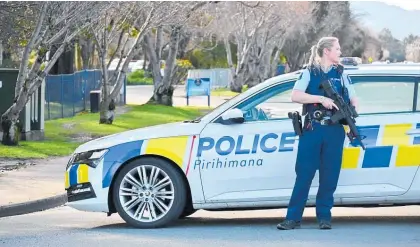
pixel 320 147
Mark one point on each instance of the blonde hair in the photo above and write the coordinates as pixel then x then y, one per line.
pixel 317 51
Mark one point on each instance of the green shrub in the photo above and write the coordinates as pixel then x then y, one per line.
pixel 138 78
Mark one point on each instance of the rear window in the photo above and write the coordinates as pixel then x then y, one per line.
pixel 380 94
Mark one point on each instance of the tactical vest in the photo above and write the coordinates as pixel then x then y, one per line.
pixel 316 77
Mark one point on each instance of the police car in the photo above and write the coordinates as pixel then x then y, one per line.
pixel 242 155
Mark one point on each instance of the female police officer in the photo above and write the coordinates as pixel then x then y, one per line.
pixel 320 145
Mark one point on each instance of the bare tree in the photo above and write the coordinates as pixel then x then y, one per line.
pixel 282 18
pixel 140 17
pixel 17 20
pixel 413 50
pixel 113 25
pixel 325 19
pixel 246 23
pixel 57 24
pixel 176 27
pixel 259 30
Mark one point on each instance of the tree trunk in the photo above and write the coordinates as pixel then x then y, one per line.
pixel 274 64
pixel 102 44
pixel 1 52
pixel 164 89
pixel 107 111
pixel 144 57
pixel 65 63
pixel 10 129
pixel 154 60
pixel 86 47
pixel 296 61
pixel 238 82
pixel 163 95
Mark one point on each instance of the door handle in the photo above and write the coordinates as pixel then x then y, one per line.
pixel 413 132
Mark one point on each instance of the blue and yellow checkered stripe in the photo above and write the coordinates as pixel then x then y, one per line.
pixel 77 174
pixel 392 144
pixel 174 148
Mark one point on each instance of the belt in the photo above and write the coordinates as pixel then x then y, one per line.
pixel 324 121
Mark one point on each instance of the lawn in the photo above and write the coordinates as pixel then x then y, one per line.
pixel 64 135
pixel 226 92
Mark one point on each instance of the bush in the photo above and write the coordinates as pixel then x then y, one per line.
pixel 138 78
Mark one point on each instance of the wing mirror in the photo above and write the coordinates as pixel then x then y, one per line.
pixel 232 116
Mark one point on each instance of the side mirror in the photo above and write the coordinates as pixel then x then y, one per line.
pixel 232 116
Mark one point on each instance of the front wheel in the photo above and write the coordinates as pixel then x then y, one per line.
pixel 149 193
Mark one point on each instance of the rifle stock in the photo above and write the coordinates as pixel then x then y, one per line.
pixel 346 113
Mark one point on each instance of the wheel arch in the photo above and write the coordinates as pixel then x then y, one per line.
pixel 111 204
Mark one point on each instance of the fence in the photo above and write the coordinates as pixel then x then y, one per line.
pixel 68 94
pixel 218 77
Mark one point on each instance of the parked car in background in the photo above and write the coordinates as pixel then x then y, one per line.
pixel 350 61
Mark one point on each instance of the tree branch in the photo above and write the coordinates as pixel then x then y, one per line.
pixel 25 58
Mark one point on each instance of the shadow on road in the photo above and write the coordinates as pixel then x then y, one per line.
pixel 347 231
pixel 308 222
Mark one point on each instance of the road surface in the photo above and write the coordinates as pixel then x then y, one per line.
pixel 357 227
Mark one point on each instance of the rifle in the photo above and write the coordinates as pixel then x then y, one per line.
pixel 345 115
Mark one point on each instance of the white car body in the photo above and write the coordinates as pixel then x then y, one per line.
pixel 252 165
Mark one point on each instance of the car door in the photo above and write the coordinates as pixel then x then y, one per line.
pixel 390 126
pixel 254 160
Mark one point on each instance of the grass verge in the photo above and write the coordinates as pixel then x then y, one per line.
pixel 64 135
pixel 225 92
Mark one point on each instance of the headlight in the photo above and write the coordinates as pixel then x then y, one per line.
pixel 91 158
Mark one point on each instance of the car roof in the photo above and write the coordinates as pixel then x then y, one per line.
pixel 363 69
pixel 384 69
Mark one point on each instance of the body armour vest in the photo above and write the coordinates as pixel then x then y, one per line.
pixel 316 77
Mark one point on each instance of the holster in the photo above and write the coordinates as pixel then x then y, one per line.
pixel 296 121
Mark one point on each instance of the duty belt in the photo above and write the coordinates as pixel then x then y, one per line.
pixel 325 121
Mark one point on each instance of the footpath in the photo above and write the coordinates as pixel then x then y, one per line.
pixel 31 185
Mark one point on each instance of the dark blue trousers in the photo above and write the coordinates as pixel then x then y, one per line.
pixel 320 148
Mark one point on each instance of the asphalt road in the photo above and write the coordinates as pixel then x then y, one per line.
pixel 352 227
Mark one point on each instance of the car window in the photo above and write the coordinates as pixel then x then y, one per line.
pixel 388 94
pixel 271 104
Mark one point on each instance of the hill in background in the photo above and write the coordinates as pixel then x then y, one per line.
pixel 379 15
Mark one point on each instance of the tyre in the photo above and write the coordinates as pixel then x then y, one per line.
pixel 187 212
pixel 149 193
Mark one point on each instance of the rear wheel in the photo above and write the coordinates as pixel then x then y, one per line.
pixel 149 193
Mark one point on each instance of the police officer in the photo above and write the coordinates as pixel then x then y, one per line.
pixel 321 144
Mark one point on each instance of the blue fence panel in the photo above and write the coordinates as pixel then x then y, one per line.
pixel 66 95
pixel 53 96
pixel 79 93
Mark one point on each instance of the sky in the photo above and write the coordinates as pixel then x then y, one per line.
pixel 405 4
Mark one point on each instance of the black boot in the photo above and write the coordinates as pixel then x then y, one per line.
pixel 288 225
pixel 324 225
